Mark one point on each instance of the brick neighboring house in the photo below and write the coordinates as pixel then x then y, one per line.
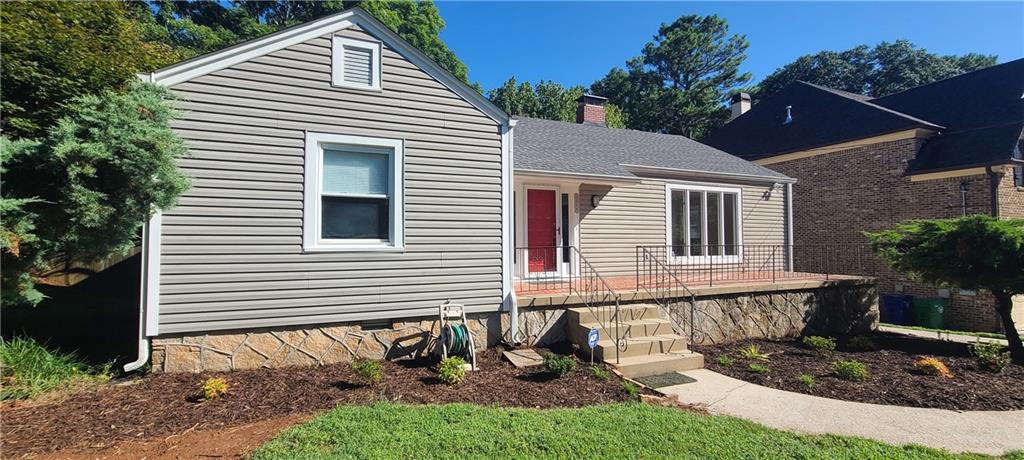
pixel 945 149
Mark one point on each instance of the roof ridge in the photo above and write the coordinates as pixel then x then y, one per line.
pixel 950 78
pixel 868 103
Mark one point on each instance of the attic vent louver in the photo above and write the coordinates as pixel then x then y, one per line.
pixel 789 115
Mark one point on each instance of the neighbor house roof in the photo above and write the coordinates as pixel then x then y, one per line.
pixel 979 116
pixel 820 116
pixel 545 146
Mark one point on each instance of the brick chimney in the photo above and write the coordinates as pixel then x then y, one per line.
pixel 590 109
pixel 740 105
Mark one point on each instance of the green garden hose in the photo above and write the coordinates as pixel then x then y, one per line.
pixel 457 338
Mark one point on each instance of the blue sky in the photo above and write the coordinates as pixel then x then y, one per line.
pixel 578 42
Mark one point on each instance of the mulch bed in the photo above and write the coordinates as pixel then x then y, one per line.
pixel 893 380
pixel 164 404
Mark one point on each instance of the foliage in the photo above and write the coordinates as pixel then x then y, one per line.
pixel 973 252
pixel 559 365
pixel 854 371
pixel 752 351
pixel 599 432
pixel 807 380
pixel 932 366
pixel 724 360
pixel 212 388
pixel 990 356
pixel 681 80
pixel 819 344
pixel 758 368
pixel 600 372
pixel 54 51
pixel 547 100
pixel 885 69
pixel 368 371
pixel 631 389
pixel 85 189
pixel 452 370
pixel 861 343
pixel 28 369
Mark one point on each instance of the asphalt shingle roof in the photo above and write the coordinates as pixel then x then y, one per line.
pixel 556 146
pixel 980 117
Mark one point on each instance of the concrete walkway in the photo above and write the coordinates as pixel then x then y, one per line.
pixel 991 432
pixel 948 336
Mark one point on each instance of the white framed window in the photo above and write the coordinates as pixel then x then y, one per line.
pixel 353 198
pixel 355 63
pixel 704 223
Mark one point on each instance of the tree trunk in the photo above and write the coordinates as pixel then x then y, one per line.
pixel 1004 306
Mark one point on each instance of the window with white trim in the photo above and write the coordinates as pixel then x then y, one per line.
pixel 355 63
pixel 353 197
pixel 704 222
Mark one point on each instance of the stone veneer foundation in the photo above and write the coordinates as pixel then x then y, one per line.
pixel 847 307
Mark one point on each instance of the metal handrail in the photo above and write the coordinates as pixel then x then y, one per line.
pixel 664 302
pixel 593 290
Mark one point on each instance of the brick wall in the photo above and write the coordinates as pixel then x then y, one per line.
pixel 838 195
pixel 1011 198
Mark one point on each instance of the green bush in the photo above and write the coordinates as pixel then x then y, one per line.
pixel 600 372
pixel 819 344
pixel 452 370
pixel 990 356
pixel 724 360
pixel 807 379
pixel 758 368
pixel 28 369
pixel 559 365
pixel 368 371
pixel 631 389
pixel 861 343
pixel 854 371
pixel 752 351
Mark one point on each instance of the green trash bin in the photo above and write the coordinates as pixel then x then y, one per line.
pixel 930 312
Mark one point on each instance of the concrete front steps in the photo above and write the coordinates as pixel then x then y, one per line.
pixel 652 347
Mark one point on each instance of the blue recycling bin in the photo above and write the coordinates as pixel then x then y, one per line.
pixel 897 308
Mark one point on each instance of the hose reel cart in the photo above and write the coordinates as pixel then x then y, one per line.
pixel 455 338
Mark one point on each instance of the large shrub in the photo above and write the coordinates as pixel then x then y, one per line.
pixel 973 252
pixel 84 190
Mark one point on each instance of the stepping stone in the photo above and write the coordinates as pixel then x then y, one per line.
pixel 524 357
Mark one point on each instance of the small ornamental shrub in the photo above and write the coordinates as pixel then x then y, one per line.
pixel 854 371
pixel 932 366
pixel 452 370
pixel 631 389
pixel 752 351
pixel 807 380
pixel 819 344
pixel 559 365
pixel 212 388
pixel 600 372
pixel 724 360
pixel 990 356
pixel 368 371
pixel 861 343
pixel 758 368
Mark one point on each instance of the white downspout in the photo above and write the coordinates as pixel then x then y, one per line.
pixel 789 223
pixel 511 302
pixel 143 350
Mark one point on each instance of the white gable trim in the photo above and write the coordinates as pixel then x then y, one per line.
pixel 187 70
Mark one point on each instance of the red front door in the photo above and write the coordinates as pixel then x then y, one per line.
pixel 540 230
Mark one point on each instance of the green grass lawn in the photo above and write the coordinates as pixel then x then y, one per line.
pixel 610 431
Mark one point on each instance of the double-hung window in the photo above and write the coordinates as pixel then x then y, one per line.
pixel 353 199
pixel 704 223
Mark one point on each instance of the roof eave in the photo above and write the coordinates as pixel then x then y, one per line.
pixel 713 175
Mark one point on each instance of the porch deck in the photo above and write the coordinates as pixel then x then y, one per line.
pixel 552 292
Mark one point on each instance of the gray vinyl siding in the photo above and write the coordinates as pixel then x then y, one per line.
pixel 231 251
pixel 630 215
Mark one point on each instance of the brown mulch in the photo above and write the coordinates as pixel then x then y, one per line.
pixel 893 380
pixel 164 404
